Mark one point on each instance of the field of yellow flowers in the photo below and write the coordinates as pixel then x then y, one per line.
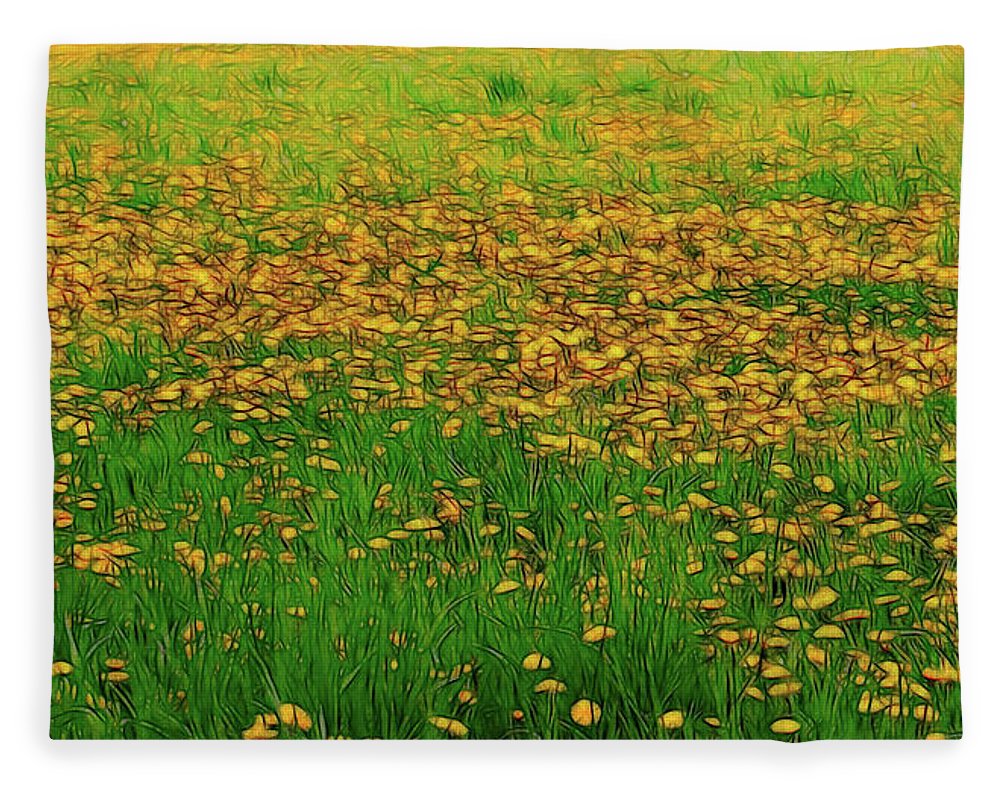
pixel 503 394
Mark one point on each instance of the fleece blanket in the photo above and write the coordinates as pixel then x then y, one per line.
pixel 503 394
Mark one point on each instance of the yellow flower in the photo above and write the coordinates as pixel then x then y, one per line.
pixel 671 720
pixel 595 634
pixel 536 661
pixel 785 727
pixel 259 729
pixel 506 586
pixel 454 728
pixel 585 712
pixel 292 715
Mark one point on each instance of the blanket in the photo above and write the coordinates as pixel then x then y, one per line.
pixel 503 394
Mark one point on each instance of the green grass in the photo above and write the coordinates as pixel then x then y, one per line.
pixel 910 309
pixel 154 118
pixel 336 661
pixel 446 138
pixel 504 89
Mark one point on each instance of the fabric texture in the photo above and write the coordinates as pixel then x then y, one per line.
pixel 503 394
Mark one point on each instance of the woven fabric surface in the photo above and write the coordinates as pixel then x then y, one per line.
pixel 503 394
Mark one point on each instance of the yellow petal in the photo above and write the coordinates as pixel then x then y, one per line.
pixel 550 686
pixel 596 634
pixel 506 586
pixel 585 712
pixel 294 716
pixel 536 661
pixel 671 720
pixel 785 727
pixel 824 483
pixel 454 728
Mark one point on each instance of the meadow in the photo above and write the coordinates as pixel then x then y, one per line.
pixel 503 394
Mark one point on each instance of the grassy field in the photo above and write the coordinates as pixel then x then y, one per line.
pixel 503 394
